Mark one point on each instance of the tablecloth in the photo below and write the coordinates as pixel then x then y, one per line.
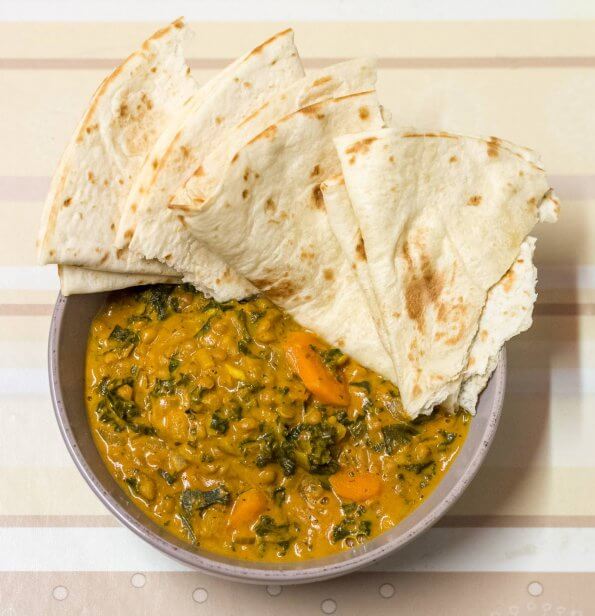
pixel 522 538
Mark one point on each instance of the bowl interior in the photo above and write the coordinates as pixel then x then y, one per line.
pixel 67 348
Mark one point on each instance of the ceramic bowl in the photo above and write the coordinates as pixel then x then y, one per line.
pixel 67 345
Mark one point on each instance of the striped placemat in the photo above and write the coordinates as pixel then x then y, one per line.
pixel 522 538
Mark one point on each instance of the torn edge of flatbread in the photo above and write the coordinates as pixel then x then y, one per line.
pixel 79 280
pixel 508 312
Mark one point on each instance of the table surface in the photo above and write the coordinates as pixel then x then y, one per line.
pixel 522 538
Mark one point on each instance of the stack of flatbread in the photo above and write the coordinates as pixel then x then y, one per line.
pixel 409 250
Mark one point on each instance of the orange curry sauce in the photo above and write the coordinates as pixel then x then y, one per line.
pixel 239 431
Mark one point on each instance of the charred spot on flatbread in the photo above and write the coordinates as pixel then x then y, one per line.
pixel 493 147
pixel 361 147
pixel 360 248
pixel 270 206
pixel 317 198
pixel 423 287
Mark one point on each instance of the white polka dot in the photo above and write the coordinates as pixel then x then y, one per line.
pixel 274 591
pixel 200 595
pixel 60 593
pixel 513 610
pixel 531 606
pixel 546 607
pixel 386 590
pixel 535 589
pixel 138 580
pixel 328 606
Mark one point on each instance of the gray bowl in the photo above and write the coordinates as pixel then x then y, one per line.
pixel 67 345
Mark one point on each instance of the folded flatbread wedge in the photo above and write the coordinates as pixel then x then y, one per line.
pixel 345 226
pixel 76 280
pixel 159 232
pixel 342 79
pixel 267 220
pixel 442 218
pixel 507 312
pixel 125 117
pixel 147 226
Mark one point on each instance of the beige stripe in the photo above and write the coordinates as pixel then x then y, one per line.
pixel 21 188
pixel 395 63
pixel 449 521
pixel 493 104
pixel 526 491
pixel 388 38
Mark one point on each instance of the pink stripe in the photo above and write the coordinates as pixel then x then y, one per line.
pixel 573 187
pixel 26 310
pixel 34 188
pixel 23 188
pixel 541 309
pixel 564 310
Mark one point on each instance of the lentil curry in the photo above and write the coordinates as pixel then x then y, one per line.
pixel 239 431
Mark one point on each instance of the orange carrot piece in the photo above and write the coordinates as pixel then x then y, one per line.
pixel 354 486
pixel 308 365
pixel 247 507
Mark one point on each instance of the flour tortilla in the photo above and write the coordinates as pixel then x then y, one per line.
pixel 147 226
pixel 507 312
pixel 442 218
pixel 126 114
pixel 267 220
pixel 244 84
pixel 76 280
pixel 342 79
pixel 162 235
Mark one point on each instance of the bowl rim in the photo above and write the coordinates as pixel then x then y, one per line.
pixel 238 572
